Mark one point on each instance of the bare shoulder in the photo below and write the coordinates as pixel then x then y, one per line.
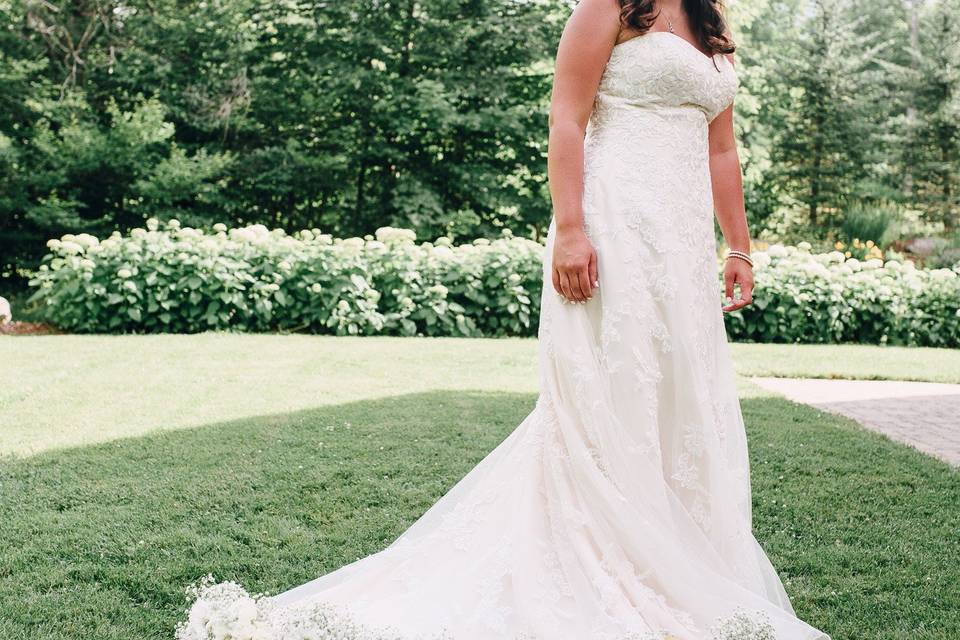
pixel 594 23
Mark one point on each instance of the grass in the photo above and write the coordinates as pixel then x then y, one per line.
pixel 851 361
pixel 79 390
pixel 332 447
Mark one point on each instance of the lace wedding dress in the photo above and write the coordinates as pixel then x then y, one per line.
pixel 620 507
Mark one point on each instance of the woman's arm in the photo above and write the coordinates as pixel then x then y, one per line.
pixel 727 185
pixel 585 46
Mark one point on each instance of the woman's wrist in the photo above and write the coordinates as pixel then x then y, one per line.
pixel 739 255
pixel 570 226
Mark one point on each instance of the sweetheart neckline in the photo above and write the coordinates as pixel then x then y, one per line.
pixel 673 35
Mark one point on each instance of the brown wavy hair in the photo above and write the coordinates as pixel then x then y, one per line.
pixel 706 20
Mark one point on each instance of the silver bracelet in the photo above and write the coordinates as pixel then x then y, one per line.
pixel 740 255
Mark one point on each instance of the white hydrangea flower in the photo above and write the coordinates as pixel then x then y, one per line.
pixel 152 224
pixel 86 240
pixel 804 246
pixel 392 234
pixel 836 256
pixel 70 248
pixel 760 259
pixel 220 227
pixel 777 251
pixel 124 273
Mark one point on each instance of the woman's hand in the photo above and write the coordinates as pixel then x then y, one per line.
pixel 574 265
pixel 738 273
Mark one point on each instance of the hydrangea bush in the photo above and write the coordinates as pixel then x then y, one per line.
pixel 182 280
pixel 827 297
pixel 176 279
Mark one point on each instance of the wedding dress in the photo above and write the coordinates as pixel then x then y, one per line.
pixel 620 507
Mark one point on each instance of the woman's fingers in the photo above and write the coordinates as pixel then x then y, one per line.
pixel 585 288
pixel 565 286
pixel 746 291
pixel 745 284
pixel 574 278
pixel 576 285
pixel 592 269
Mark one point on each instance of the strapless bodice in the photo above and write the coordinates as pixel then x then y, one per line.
pixel 663 72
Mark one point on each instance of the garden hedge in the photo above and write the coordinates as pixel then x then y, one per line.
pixel 253 279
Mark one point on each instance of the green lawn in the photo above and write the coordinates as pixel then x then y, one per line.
pixel 64 391
pixel 328 448
pixel 848 361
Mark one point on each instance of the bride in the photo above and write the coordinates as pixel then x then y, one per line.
pixel 620 507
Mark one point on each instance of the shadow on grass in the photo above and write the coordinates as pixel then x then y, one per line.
pixel 99 542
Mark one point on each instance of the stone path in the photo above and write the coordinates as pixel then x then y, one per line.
pixel 924 415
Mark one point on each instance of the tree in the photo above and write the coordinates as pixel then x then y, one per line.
pixel 830 122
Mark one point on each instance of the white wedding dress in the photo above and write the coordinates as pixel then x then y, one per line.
pixel 620 507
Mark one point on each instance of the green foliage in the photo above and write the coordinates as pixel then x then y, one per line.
pixel 250 279
pixel 828 298
pixel 428 114
pixel 432 115
pixel 870 222
pixel 183 280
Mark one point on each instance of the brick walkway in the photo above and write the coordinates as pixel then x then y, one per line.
pixel 924 415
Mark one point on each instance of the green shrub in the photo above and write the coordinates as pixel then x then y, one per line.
pixel 829 298
pixel 870 222
pixel 252 279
